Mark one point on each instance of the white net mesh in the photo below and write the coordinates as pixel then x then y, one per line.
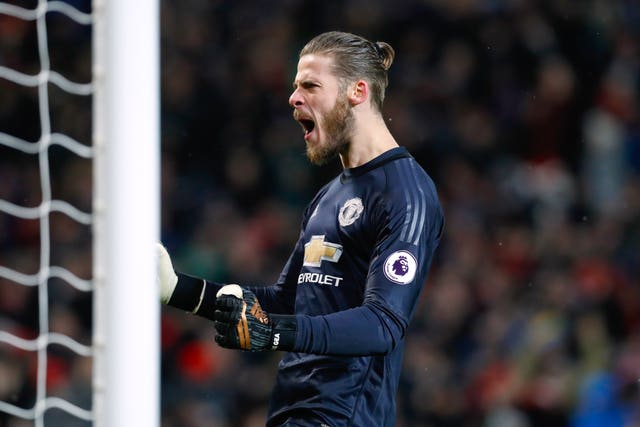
pixel 45 219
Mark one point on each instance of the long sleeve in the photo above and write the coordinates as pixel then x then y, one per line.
pixel 362 331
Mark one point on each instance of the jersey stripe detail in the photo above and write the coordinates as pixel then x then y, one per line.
pixel 415 200
pixel 423 211
pixel 407 200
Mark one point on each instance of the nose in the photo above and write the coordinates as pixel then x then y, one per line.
pixel 295 100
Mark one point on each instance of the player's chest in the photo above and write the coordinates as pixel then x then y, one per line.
pixel 343 217
pixel 340 210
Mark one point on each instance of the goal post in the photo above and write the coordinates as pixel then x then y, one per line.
pixel 126 205
pixel 125 223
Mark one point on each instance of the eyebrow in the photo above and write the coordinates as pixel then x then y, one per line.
pixel 305 83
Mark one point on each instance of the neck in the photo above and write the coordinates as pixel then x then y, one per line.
pixel 370 139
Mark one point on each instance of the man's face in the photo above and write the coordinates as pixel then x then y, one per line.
pixel 322 108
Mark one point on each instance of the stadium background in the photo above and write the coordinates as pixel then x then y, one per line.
pixel 524 112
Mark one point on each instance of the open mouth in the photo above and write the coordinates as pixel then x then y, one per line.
pixel 307 125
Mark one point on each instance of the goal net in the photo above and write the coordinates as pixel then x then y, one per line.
pixel 79 213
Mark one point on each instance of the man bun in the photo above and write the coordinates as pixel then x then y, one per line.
pixel 386 53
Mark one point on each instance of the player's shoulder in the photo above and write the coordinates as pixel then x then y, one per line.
pixel 405 174
pixel 410 200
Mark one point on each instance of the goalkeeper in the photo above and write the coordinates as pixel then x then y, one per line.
pixel 342 303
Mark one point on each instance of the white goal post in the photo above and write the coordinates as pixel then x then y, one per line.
pixel 126 213
pixel 125 153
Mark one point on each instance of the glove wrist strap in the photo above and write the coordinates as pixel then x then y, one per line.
pixel 285 329
pixel 188 293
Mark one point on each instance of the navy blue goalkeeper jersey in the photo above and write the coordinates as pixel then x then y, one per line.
pixel 353 280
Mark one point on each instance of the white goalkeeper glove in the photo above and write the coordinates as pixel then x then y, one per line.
pixel 167 278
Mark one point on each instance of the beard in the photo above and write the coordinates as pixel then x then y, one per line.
pixel 338 127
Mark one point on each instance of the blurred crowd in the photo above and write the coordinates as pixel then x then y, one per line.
pixel 524 112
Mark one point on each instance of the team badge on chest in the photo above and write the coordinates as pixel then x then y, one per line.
pixel 350 211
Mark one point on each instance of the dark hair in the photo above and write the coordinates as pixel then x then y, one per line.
pixel 354 58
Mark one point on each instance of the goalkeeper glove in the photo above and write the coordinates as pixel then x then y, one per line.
pixel 167 278
pixel 241 323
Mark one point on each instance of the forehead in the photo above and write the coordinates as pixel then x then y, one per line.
pixel 314 67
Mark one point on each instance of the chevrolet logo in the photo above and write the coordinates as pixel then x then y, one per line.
pixel 317 250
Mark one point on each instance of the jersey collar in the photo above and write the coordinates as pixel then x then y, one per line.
pixel 386 157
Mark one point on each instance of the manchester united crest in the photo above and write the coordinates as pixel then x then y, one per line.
pixel 350 211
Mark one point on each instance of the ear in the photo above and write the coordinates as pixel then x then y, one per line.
pixel 358 92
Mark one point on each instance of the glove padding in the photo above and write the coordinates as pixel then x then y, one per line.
pixel 241 323
pixel 167 278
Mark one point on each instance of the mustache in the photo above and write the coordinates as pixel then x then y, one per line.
pixel 298 115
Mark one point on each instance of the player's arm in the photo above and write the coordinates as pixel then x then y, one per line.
pixel 241 323
pixel 376 327
pixel 380 323
pixel 198 296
